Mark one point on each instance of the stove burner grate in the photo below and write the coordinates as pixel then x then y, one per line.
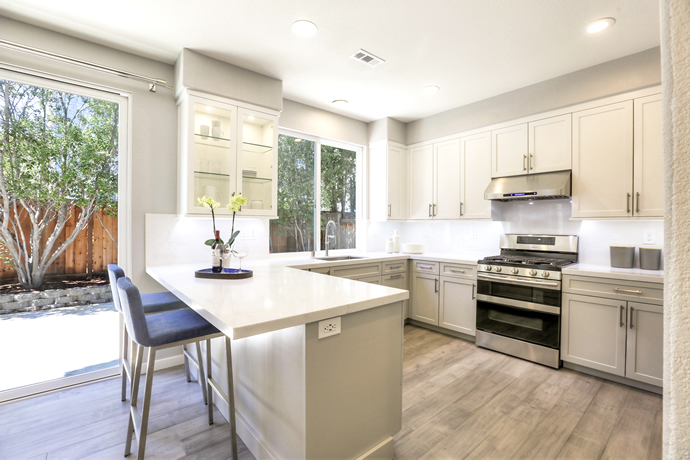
pixel 522 260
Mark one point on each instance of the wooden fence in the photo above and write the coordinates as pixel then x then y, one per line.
pixel 90 253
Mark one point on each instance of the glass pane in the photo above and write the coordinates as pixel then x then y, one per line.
pixel 338 195
pixel 257 161
pixel 293 231
pixel 212 153
pixel 60 164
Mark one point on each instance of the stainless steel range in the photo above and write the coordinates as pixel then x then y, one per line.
pixel 519 296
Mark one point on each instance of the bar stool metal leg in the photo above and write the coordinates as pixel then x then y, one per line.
pixel 133 403
pixel 229 398
pixel 126 370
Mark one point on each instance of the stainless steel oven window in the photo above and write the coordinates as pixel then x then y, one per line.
pixel 516 320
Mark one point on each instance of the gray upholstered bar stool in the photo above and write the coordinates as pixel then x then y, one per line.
pixel 165 330
pixel 153 303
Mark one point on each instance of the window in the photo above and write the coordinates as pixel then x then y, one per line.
pixel 310 171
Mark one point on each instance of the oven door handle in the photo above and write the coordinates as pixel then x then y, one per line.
pixel 505 279
pixel 519 304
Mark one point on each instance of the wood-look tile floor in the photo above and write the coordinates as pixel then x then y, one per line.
pixel 459 401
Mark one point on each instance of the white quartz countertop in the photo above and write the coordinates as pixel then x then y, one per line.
pixel 276 297
pixel 605 271
pixel 375 257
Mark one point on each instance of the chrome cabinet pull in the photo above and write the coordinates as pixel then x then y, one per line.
pixel 434 213
pixel 461 208
pixel 429 210
pixel 627 290
pixel 637 206
pixel 436 285
pixel 622 311
pixel 524 162
pixel 389 209
pixel 394 277
pixel 631 317
pixel 453 270
pixel 531 160
pixel 628 206
pixel 425 267
pixel 473 296
pixel 397 266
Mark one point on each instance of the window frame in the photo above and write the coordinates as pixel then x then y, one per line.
pixel 360 177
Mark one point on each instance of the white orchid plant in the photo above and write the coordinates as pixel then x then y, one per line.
pixel 236 203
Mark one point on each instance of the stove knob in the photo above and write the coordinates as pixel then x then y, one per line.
pixel 545 274
pixel 498 269
pixel 532 273
pixel 487 268
pixel 514 271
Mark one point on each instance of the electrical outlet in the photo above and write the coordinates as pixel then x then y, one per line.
pixel 427 233
pixel 376 233
pixel 248 234
pixel 329 327
pixel 473 234
pixel 649 237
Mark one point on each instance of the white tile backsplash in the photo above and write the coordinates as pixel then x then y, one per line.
pixel 541 216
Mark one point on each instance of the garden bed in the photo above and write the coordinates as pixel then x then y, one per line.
pixel 54 294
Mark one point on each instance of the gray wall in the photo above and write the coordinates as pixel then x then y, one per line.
pixel 614 77
pixel 153 120
pixel 311 120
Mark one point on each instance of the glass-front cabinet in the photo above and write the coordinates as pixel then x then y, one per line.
pixel 225 149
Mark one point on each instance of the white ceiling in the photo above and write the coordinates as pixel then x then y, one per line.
pixel 472 49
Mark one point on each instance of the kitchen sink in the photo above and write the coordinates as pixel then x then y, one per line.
pixel 334 258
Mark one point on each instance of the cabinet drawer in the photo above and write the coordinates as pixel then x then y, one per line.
pixel 652 293
pixel 424 266
pixel 370 279
pixel 459 271
pixel 357 271
pixel 394 267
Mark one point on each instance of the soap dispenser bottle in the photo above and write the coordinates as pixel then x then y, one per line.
pixel 396 241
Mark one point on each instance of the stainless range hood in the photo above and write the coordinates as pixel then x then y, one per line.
pixel 530 187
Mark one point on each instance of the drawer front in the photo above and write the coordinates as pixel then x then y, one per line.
pixel 357 271
pixel 322 270
pixel 459 270
pixel 370 279
pixel 424 266
pixel 394 267
pixel 652 293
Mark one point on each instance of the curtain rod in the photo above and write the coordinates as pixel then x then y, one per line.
pixel 153 82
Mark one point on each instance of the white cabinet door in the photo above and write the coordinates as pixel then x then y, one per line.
pixel 475 170
pixel 425 298
pixel 447 183
pixel 421 182
pixel 645 343
pixel 593 333
pixel 550 144
pixel 458 305
pixel 509 151
pixel 398 281
pixel 602 161
pixel 648 158
pixel 397 183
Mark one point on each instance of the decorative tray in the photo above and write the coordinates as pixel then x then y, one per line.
pixel 226 274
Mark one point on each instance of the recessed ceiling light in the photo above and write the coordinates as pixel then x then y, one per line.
pixel 340 102
pixel 250 117
pixel 209 108
pixel 303 28
pixel 431 89
pixel 599 25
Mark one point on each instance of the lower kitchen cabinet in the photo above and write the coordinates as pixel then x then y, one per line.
pixel 398 281
pixel 620 337
pixel 458 305
pixel 425 298
pixel 370 279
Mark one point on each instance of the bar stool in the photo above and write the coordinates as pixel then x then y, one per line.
pixel 165 330
pixel 153 303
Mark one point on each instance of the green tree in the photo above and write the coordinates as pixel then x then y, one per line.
pixel 58 156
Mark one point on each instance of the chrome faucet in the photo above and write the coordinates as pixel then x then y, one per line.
pixel 329 237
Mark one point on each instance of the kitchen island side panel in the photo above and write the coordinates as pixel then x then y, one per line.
pixel 354 384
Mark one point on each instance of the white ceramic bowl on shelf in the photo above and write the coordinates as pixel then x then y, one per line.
pixel 412 248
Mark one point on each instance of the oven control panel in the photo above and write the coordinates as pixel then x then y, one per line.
pixel 519 271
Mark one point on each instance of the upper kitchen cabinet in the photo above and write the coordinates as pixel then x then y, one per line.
pixel 509 151
pixel 226 149
pixel 617 173
pixel 648 157
pixel 603 161
pixel 387 182
pixel 421 182
pixel 531 148
pixel 475 165
pixel 550 144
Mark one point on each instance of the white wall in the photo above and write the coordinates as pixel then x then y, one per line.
pixel 310 120
pixel 628 73
pixel 476 239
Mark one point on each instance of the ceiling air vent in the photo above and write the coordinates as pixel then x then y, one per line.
pixel 367 58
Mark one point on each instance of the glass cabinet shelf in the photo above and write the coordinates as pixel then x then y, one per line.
pixel 207 137
pixel 257 180
pixel 256 148
pixel 211 175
